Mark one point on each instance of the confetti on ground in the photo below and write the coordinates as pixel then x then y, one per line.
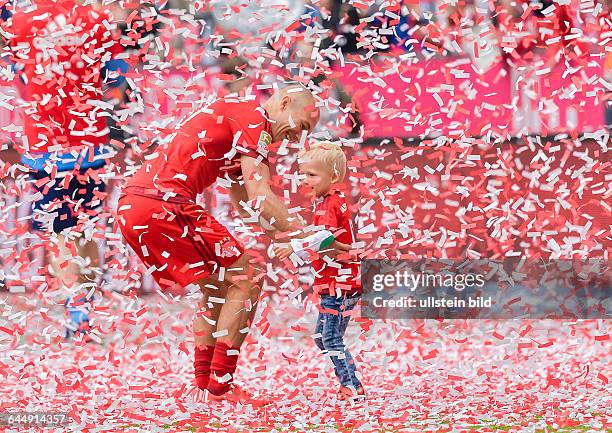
pixel 427 376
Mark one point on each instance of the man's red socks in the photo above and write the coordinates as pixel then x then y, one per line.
pixel 222 368
pixel 202 361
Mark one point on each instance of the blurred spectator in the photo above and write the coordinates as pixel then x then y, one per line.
pixel 469 29
pixel 5 14
pixel 604 30
pixel 401 27
pixel 546 28
pixel 341 19
pixel 139 24
pixel 328 31
pixel 241 32
pixel 65 140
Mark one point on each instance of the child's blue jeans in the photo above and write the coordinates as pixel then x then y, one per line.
pixel 331 327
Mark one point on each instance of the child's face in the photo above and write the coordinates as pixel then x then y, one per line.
pixel 318 177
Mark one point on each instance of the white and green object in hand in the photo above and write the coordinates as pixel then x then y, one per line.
pixel 315 242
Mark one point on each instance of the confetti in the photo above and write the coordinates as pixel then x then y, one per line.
pixel 469 131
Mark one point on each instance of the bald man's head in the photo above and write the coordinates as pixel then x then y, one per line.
pixel 292 110
pixel 299 93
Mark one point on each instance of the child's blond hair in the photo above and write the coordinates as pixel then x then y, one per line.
pixel 327 152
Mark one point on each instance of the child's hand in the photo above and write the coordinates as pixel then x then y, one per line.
pixel 282 252
pixel 339 251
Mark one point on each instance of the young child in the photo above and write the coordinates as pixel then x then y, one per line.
pixel 338 283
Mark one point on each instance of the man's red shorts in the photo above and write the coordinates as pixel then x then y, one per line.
pixel 179 240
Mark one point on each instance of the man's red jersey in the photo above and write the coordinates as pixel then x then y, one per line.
pixel 206 146
pixel 158 215
pixel 61 47
pixel 331 212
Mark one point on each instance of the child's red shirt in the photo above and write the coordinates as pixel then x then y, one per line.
pixel 332 212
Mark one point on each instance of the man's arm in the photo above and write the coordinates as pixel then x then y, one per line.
pixel 257 184
pixel 237 194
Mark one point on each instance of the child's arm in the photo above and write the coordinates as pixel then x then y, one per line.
pixel 316 242
pixel 323 241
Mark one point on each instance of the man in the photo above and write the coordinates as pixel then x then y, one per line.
pixel 182 244
pixel 60 47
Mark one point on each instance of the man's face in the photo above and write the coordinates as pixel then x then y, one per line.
pixel 292 118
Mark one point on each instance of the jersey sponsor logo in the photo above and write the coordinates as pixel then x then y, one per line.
pixel 265 140
pixel 51 41
pixel 59 32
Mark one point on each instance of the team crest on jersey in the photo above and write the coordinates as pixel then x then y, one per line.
pixel 228 248
pixel 265 140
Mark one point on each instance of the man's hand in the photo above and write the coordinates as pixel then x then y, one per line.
pixel 282 252
pixel 336 250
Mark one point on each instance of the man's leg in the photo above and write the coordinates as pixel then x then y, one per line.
pixel 232 326
pixel 204 325
pixel 77 275
pixel 75 261
pixel 67 269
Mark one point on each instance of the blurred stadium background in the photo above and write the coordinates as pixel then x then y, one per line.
pixel 473 127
